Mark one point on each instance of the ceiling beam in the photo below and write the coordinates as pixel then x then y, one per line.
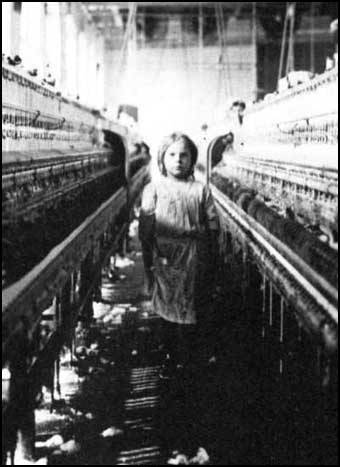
pixel 165 5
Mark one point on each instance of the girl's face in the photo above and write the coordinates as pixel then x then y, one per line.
pixel 178 160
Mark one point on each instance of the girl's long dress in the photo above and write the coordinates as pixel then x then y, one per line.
pixel 184 214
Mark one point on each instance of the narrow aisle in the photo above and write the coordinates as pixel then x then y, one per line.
pixel 116 410
pixel 139 441
pixel 108 413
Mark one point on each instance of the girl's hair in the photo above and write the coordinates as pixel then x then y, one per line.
pixel 168 141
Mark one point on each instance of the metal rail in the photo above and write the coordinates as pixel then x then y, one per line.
pixel 308 118
pixel 11 169
pixel 43 199
pixel 15 161
pixel 327 77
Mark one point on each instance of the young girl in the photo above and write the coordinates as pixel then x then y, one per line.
pixel 178 231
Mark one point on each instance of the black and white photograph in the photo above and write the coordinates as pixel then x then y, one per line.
pixel 169 233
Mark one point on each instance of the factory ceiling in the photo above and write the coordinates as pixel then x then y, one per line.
pixel 110 17
pixel 267 9
pixel 195 5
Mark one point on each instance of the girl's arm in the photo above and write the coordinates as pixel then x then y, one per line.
pixel 146 235
pixel 147 222
pixel 210 212
pixel 212 224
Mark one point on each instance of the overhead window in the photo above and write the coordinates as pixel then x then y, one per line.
pixel 17 6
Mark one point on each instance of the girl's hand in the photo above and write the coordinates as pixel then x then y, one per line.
pixel 149 282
